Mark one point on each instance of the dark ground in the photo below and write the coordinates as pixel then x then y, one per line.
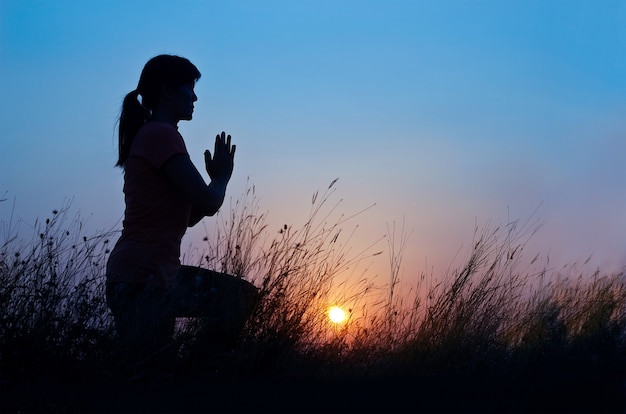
pixel 284 395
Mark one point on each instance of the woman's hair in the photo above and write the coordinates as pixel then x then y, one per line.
pixel 162 69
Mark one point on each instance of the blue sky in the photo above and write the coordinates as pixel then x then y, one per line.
pixel 444 114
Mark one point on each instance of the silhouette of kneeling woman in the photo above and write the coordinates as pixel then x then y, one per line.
pixel 164 193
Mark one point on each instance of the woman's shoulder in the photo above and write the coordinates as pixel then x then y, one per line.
pixel 158 133
pixel 158 141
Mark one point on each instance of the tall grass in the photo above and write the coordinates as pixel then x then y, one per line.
pixel 53 316
pixel 500 317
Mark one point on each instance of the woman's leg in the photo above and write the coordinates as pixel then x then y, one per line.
pixel 225 302
pixel 144 325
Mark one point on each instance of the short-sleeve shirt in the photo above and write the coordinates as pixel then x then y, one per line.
pixel 156 214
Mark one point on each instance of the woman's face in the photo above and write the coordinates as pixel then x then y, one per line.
pixel 182 99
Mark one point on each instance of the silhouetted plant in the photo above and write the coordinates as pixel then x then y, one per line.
pixel 53 316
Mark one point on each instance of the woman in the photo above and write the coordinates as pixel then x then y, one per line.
pixel 164 194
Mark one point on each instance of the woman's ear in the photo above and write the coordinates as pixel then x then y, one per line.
pixel 166 90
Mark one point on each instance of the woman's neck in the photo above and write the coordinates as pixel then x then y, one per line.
pixel 160 115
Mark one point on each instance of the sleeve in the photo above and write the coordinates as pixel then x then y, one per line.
pixel 158 143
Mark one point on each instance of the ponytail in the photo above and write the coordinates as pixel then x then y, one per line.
pixel 160 70
pixel 132 118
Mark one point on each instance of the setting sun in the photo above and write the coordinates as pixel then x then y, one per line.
pixel 336 314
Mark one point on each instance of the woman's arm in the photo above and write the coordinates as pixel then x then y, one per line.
pixel 205 199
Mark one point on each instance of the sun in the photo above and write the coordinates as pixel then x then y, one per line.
pixel 336 314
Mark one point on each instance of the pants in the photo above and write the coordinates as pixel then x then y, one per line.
pixel 145 316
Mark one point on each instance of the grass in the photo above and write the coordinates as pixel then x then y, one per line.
pixel 499 334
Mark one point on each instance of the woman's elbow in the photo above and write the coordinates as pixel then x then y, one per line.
pixel 211 209
pixel 209 206
pixel 211 213
pixel 202 210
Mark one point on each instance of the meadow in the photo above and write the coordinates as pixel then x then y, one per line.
pixel 500 333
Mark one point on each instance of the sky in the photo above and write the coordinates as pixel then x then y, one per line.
pixel 437 117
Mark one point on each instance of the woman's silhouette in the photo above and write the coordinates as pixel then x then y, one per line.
pixel 164 194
